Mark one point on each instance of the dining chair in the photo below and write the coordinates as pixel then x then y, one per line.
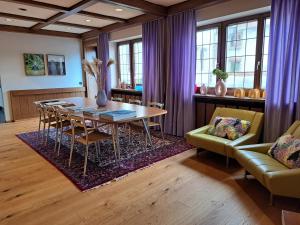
pixel 88 137
pixel 153 122
pixel 135 101
pixel 49 120
pixel 117 99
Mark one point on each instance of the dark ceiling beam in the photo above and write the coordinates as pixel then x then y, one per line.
pixel 38 20
pixel 118 26
pixel 192 4
pixel 8 28
pixel 61 15
pixel 140 5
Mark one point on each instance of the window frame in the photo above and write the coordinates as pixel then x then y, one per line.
pixel 222 34
pixel 131 60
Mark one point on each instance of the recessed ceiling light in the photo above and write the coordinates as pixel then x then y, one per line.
pixel 119 10
pixel 8 20
pixel 88 20
pixel 22 9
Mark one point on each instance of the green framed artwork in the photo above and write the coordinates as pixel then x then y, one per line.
pixel 34 64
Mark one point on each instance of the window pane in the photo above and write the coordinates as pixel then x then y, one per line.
pixel 240 54
pixel 124 63
pixel 264 65
pixel 207 54
pixel 138 62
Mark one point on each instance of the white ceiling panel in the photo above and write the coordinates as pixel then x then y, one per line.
pixel 166 2
pixel 110 10
pixel 68 29
pixel 14 8
pixel 79 19
pixel 65 3
pixel 14 22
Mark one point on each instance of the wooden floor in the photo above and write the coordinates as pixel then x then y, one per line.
pixel 184 190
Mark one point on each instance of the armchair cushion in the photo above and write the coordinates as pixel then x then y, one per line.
pixel 229 127
pixel 287 151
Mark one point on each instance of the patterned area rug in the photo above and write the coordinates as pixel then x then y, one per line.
pixel 104 168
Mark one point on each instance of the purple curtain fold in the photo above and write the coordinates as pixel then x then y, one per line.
pixel 153 61
pixel 103 55
pixel 283 91
pixel 181 65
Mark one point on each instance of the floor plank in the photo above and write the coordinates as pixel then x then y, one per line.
pixel 184 189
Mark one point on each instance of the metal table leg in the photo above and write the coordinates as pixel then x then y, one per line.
pixel 145 123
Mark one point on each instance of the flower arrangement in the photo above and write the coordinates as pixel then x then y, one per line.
pixel 94 69
pixel 220 74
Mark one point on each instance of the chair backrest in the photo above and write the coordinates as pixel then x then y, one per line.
pixel 294 129
pixel 135 101
pixel 256 118
pixel 117 99
pixel 156 105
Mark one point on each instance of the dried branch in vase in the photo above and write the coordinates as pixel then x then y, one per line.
pixel 94 69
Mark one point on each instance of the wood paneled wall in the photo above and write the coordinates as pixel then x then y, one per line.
pixel 126 94
pixel 206 105
pixel 22 100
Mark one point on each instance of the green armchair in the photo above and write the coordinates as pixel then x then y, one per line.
pixel 200 139
pixel 276 177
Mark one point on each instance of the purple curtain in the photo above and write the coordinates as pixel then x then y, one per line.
pixel 103 55
pixel 283 91
pixel 153 61
pixel 181 63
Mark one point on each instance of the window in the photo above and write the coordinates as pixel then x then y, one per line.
pixel 207 52
pixel 130 62
pixel 124 64
pixel 240 54
pixel 238 46
pixel 138 63
pixel 264 64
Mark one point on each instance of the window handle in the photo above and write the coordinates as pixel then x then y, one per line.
pixel 258 65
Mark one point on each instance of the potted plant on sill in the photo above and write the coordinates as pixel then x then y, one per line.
pixel 94 69
pixel 220 88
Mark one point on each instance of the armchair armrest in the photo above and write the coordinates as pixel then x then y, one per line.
pixel 284 182
pixel 246 139
pixel 260 148
pixel 201 130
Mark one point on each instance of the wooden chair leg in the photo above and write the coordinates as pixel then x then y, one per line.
pixel 39 133
pixel 227 161
pixel 85 159
pixel 48 133
pixel 56 137
pixel 271 203
pixel 44 133
pixel 71 151
pixel 114 144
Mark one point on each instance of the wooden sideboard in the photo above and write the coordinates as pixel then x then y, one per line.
pixel 22 106
pixel 126 94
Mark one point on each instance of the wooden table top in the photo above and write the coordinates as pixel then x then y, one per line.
pixel 290 218
pixel 142 112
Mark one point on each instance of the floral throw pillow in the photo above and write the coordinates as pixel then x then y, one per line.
pixel 287 151
pixel 228 127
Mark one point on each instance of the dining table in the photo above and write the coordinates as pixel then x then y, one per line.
pixel 143 113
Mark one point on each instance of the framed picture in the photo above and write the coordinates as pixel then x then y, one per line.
pixel 34 64
pixel 56 65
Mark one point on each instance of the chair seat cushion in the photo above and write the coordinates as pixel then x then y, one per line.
pixel 287 151
pixel 208 142
pixel 257 163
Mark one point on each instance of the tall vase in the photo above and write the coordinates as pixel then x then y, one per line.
pixel 220 88
pixel 101 98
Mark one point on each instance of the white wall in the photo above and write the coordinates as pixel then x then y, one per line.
pixel 12 47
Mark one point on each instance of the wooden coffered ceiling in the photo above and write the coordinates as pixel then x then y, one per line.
pixel 86 18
